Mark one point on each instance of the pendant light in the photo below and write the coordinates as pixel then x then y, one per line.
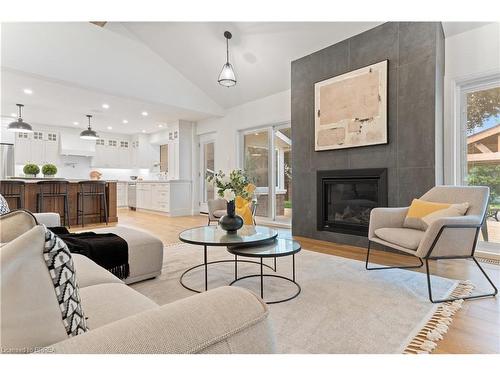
pixel 20 125
pixel 89 133
pixel 226 76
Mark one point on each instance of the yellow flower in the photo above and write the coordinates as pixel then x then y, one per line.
pixel 250 188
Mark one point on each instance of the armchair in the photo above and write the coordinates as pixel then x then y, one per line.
pixel 216 209
pixel 446 238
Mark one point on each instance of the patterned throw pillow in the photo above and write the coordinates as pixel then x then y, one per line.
pixel 62 272
pixel 421 213
pixel 4 206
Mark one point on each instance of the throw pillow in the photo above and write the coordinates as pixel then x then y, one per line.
pixel 422 213
pixel 4 206
pixel 40 296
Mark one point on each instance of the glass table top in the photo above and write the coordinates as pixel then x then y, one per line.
pixel 216 236
pixel 277 248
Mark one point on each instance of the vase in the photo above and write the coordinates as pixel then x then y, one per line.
pixel 231 222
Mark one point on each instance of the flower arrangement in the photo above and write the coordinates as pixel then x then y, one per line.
pixel 230 186
pixel 49 170
pixel 31 169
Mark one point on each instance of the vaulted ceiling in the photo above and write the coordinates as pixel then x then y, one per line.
pixel 169 69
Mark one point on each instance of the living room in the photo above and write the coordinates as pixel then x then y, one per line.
pixel 298 185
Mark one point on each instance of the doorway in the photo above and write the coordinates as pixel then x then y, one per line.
pixel 207 168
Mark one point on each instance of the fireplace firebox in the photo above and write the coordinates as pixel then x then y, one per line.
pixel 346 197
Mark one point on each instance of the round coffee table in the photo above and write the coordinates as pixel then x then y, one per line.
pixel 280 247
pixel 205 236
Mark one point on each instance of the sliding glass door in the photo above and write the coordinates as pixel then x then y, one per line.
pixel 270 171
pixel 480 120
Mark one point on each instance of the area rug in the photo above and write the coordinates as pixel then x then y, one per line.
pixel 342 307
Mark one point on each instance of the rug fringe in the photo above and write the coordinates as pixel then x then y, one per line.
pixel 426 340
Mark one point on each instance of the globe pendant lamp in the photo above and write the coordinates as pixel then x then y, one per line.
pixel 20 125
pixel 89 133
pixel 227 77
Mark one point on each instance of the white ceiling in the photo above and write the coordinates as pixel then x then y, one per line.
pixel 260 52
pixel 167 69
pixel 61 104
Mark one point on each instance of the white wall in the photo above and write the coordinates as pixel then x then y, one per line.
pixel 269 110
pixel 468 56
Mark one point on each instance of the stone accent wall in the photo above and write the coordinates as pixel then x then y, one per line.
pixel 415 81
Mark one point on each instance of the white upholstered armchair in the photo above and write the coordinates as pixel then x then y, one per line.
pixel 446 238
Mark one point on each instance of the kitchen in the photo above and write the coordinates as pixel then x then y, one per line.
pixel 137 175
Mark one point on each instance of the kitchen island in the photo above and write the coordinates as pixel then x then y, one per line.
pixel 56 204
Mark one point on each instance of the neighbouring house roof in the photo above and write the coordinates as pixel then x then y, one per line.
pixel 484 146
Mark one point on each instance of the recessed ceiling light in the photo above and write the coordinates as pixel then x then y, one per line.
pixel 28 91
pixel 125 121
pixel 160 126
pixel 75 122
pixel 144 113
pixel 144 131
pixel 13 114
pixel 110 127
pixel 105 106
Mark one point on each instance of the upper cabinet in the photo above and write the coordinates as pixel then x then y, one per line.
pixel 39 147
pixel 116 151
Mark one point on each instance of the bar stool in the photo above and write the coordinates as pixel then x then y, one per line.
pixel 91 188
pixel 13 189
pixel 53 189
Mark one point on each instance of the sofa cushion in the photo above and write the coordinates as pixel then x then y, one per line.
pixel 145 252
pixel 90 273
pixel 405 237
pixel 40 299
pixel 106 303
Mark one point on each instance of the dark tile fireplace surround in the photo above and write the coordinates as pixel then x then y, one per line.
pixel 346 197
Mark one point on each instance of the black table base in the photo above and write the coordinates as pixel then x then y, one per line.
pixel 205 265
pixel 262 275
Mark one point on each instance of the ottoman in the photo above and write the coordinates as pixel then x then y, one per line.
pixel 145 252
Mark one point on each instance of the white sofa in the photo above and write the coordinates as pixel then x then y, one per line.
pixel 120 320
pixel 145 251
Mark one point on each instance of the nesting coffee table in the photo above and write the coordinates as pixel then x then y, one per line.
pixel 249 242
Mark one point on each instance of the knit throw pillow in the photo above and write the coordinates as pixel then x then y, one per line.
pixel 421 213
pixel 4 206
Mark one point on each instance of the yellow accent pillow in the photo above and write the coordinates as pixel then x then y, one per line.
pixel 421 213
pixel 243 210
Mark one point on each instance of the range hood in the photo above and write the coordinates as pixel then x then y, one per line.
pixel 72 144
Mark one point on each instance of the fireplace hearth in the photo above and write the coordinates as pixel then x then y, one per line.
pixel 346 197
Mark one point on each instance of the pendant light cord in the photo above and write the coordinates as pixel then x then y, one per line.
pixel 227 50
pixel 20 110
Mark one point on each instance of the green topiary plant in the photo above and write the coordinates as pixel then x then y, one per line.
pixel 31 169
pixel 49 169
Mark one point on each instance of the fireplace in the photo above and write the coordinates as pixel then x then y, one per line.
pixel 346 197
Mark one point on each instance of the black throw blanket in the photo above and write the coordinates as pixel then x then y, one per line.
pixel 107 249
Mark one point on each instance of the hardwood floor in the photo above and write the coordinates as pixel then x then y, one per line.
pixel 475 329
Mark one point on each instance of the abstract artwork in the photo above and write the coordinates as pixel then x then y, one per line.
pixel 351 109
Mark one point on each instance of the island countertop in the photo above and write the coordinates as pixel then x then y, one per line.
pixel 55 204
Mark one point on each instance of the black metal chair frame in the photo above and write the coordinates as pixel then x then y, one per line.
pixel 436 258
pixel 7 193
pixel 80 208
pixel 41 195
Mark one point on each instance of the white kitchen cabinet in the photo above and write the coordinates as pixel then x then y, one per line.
pixel 172 198
pixel 122 194
pixel 144 154
pixel 37 147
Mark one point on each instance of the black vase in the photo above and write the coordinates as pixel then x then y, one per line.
pixel 231 222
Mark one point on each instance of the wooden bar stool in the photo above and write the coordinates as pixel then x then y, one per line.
pixel 13 190
pixel 96 189
pixel 53 190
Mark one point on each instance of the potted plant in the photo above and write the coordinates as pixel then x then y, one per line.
pixel 49 170
pixel 31 170
pixel 229 187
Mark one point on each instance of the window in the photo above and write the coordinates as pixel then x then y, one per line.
pixel 38 135
pixel 99 142
pixel 112 143
pixel 124 144
pixel 22 135
pixel 480 135
pixel 52 137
